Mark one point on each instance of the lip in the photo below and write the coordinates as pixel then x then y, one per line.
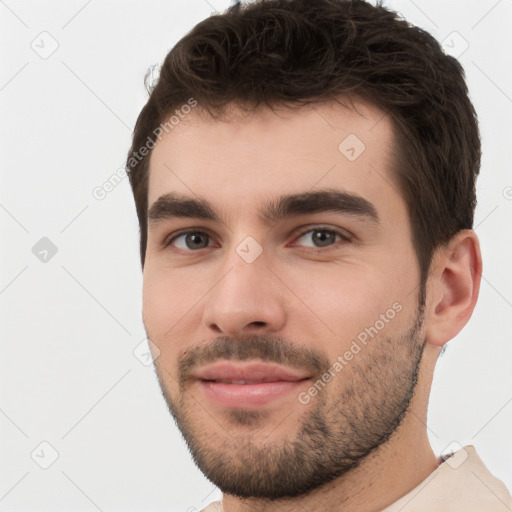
pixel 221 383
pixel 262 372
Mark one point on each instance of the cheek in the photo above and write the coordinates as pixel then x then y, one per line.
pixel 349 299
pixel 169 315
pixel 168 299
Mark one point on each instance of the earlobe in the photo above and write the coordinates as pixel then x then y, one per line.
pixel 454 287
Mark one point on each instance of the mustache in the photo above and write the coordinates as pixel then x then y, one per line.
pixel 266 348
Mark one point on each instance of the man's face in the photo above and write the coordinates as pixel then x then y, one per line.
pixel 289 334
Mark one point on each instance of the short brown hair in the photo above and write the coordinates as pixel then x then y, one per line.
pixel 299 52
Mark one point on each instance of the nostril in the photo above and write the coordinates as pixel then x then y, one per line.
pixel 258 324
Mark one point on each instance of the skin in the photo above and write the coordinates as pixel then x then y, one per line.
pixel 304 299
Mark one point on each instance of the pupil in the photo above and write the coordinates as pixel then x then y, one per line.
pixel 194 239
pixel 324 237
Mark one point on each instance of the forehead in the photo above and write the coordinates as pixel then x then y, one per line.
pixel 244 157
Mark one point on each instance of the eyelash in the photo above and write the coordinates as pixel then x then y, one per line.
pixel 345 238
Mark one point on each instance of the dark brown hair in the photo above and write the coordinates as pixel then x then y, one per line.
pixel 297 52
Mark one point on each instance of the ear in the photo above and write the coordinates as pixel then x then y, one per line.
pixel 454 286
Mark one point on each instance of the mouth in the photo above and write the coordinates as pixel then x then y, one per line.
pixel 248 385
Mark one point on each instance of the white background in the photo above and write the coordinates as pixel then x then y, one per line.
pixel 69 326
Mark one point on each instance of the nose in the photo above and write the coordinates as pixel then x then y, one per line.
pixel 246 299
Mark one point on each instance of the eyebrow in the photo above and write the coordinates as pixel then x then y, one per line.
pixel 175 205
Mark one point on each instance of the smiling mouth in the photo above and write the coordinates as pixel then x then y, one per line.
pixel 238 385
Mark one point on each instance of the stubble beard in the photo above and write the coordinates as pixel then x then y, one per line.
pixel 357 412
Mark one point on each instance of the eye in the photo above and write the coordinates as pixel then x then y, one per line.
pixel 322 237
pixel 189 241
pixel 319 238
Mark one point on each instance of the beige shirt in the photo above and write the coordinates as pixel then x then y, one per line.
pixel 460 484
